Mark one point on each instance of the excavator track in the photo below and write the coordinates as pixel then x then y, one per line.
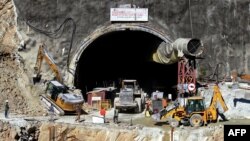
pixel 59 111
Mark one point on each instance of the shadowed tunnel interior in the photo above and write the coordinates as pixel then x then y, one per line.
pixel 124 55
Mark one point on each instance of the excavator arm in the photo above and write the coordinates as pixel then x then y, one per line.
pixel 212 111
pixel 218 97
pixel 43 55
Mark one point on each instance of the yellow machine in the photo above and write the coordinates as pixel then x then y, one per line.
pixel 60 96
pixel 43 55
pixel 194 112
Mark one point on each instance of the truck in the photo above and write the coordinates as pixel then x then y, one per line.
pixel 61 97
pixel 194 113
pixel 130 96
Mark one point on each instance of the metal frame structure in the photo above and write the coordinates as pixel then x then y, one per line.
pixel 186 74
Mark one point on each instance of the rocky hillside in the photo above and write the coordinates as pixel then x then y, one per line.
pixel 15 84
pixel 222 25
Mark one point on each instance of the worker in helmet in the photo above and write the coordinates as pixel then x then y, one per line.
pixel 51 113
pixel 6 109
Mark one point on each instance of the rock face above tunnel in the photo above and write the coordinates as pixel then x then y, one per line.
pixel 222 26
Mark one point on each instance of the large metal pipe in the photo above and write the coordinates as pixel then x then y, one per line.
pixel 169 53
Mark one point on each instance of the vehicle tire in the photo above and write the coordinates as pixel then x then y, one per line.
pixel 173 122
pixel 138 108
pixel 185 122
pixel 196 120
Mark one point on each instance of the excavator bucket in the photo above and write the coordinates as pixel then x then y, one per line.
pixel 223 117
pixel 36 79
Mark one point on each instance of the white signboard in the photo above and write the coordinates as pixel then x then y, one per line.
pixel 95 98
pixel 128 14
pixel 157 95
pixel 96 119
pixel 141 14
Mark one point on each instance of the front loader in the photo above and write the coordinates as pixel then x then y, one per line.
pixel 194 112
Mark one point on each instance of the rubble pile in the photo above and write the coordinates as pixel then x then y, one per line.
pixel 238 110
pixel 95 132
pixel 13 77
pixel 6 132
pixel 19 129
pixel 210 133
pixel 13 88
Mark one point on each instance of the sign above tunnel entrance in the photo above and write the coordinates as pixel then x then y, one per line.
pixel 129 14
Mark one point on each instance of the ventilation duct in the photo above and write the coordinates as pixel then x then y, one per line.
pixel 169 53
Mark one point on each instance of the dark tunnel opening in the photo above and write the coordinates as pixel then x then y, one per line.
pixel 124 55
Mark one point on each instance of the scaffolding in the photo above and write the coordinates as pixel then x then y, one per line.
pixel 186 76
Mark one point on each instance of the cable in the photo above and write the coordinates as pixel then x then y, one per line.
pixel 216 73
pixel 190 18
pixel 55 35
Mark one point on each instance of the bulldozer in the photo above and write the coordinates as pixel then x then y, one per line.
pixel 194 112
pixel 130 97
pixel 57 94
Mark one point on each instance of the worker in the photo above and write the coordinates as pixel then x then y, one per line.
pixel 148 104
pixel 164 102
pixel 51 113
pixel 185 88
pixel 116 113
pixel 6 109
pixel 103 113
pixel 156 95
pixel 78 112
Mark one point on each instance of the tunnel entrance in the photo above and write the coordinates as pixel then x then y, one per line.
pixel 124 55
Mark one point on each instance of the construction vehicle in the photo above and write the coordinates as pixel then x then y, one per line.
pixel 60 96
pixel 194 112
pixel 43 55
pixel 130 97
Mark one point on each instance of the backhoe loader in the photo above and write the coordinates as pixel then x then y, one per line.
pixel 194 112
pixel 57 94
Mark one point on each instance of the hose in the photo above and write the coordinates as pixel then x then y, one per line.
pixel 55 35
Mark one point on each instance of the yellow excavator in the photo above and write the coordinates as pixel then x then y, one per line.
pixel 57 94
pixel 43 55
pixel 194 112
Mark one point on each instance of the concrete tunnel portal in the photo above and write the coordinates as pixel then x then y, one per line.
pixel 121 55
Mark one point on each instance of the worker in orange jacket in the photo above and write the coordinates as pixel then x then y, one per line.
pixel 103 113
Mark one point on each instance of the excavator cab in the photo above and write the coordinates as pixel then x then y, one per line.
pixel 195 104
pixel 54 88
